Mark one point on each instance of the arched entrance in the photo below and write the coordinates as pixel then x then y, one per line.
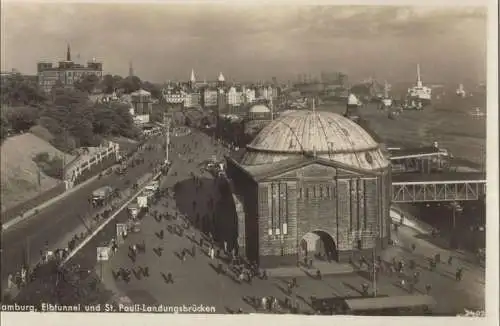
pixel 318 245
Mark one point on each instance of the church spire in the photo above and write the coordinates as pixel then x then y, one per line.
pixel 68 53
pixel 193 78
pixel 130 69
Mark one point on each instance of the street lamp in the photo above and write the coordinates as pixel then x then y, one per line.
pixel 456 208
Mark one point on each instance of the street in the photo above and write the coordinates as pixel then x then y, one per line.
pixel 53 223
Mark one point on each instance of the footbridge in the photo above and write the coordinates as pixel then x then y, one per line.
pixel 443 186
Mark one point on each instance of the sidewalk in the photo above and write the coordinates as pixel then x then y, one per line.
pixel 421 228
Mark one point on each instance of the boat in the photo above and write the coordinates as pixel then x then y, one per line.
pixel 420 94
pixel 386 99
pixel 460 91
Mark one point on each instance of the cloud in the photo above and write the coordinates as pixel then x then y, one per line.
pixel 246 41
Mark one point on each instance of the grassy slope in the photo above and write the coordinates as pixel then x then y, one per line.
pixel 19 174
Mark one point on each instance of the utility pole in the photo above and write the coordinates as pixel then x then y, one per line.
pixel 166 122
pixel 374 273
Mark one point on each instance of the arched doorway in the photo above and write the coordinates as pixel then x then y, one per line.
pixel 318 245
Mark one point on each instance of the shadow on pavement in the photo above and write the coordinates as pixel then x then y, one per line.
pixel 209 206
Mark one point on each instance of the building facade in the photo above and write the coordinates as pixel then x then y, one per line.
pixel 310 183
pixel 66 73
pixel 192 99
pixel 210 97
pixel 142 102
pixel 234 96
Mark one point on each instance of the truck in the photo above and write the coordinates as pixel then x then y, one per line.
pixel 153 186
pixel 99 196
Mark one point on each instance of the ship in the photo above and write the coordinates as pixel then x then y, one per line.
pixel 419 95
pixel 460 91
pixel 386 99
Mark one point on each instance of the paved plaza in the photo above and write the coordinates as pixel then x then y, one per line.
pixel 196 280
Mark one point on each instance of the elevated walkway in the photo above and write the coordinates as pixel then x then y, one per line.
pixel 445 186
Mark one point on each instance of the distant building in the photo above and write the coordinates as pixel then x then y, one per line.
pixel 259 112
pixel 210 97
pixel 142 102
pixel 234 96
pixel 249 95
pixel 67 72
pixel 192 99
pixel 173 95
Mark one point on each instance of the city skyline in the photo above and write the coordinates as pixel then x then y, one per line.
pixel 251 42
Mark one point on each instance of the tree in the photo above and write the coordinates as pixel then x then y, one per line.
pixel 4 128
pixel 153 89
pixel 17 90
pixel 22 118
pixel 130 84
pixel 87 83
pixel 108 84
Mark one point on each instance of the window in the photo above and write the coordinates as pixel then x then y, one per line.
pixel 328 192
pixel 369 158
pixel 278 231
pixel 285 228
pixel 270 232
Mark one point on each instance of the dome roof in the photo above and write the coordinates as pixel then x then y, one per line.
pixel 329 135
pixel 141 92
pixel 259 108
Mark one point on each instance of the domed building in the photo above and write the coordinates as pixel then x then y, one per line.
pixel 310 185
pixel 259 112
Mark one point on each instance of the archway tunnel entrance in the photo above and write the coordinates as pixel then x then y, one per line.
pixel 318 245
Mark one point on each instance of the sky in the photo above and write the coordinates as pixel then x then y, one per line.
pixel 250 42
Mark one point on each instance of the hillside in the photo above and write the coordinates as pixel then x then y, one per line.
pixel 19 174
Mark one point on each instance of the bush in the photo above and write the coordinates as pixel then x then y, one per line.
pixel 42 157
pixel 54 168
pixel 41 132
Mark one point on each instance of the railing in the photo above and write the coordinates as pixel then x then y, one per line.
pixel 411 192
pixel 81 167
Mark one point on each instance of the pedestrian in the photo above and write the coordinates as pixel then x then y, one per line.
pixel 365 289
pixel 413 247
pixel 428 288
pixel 294 282
pixel 10 282
pixel 458 274
pixel 193 250
pixel 450 260
pixel 318 274
pixel 170 279
pixel 225 247
pixel 212 253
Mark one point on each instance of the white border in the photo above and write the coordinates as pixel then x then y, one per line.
pixel 492 275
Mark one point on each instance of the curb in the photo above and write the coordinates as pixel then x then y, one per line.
pixel 107 221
